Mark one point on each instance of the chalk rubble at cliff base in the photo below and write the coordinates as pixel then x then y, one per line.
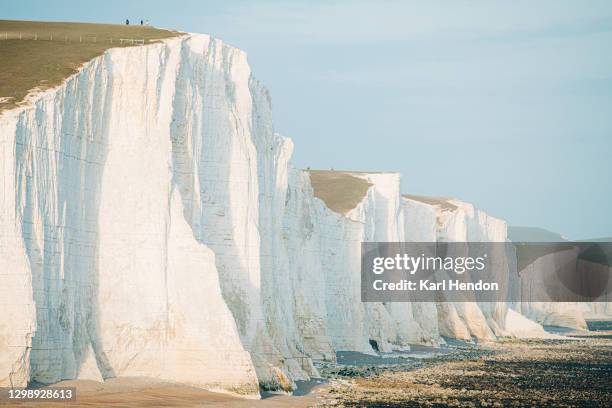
pixel 151 225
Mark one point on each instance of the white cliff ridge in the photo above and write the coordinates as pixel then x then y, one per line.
pixel 151 225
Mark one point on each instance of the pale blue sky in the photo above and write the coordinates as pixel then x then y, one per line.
pixel 504 104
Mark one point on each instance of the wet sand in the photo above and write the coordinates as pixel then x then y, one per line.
pixel 143 392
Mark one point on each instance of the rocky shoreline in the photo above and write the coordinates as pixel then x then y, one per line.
pixel 572 371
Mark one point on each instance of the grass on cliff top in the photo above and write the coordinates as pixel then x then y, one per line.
pixel 339 190
pixel 442 202
pixel 49 52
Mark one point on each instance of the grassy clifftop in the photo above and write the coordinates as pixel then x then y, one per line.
pixel 339 190
pixel 442 202
pixel 41 55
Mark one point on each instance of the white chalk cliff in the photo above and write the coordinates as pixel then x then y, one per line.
pixel 151 225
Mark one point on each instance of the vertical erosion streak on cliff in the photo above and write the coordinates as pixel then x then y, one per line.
pixel 230 169
pixel 287 298
pixel 60 151
pixel 18 317
pixel 302 272
pixel 204 138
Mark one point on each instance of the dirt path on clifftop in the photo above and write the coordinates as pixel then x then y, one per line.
pixel 572 372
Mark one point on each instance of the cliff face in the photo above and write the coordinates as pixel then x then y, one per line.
pixel 151 225
pixel 104 268
pixel 448 220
